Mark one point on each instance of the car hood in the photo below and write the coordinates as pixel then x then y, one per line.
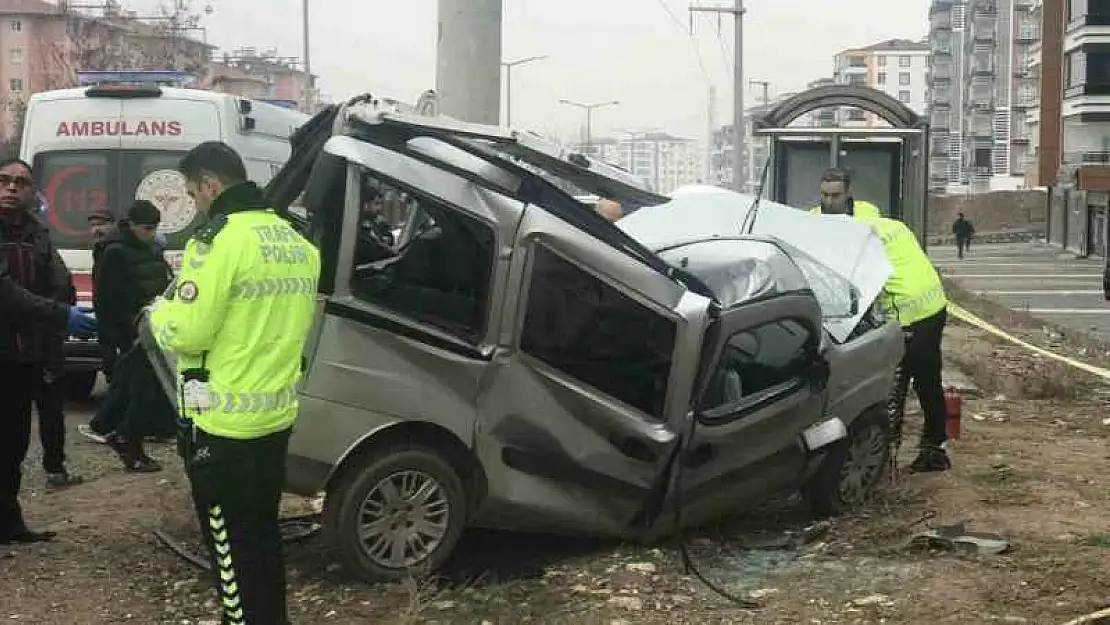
pixel 820 244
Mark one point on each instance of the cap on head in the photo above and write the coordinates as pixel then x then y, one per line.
pixel 144 213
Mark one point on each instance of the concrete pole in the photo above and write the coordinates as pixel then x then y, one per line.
pixel 739 85
pixel 307 95
pixel 468 60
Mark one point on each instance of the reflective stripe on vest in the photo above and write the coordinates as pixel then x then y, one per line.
pixel 913 309
pixel 253 403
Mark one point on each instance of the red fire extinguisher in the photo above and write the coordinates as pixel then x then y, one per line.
pixel 953 406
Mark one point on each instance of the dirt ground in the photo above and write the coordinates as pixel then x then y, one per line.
pixel 1030 467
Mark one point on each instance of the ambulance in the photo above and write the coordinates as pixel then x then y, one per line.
pixel 102 146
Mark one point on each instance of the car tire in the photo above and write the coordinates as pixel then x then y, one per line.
pixel 364 491
pixel 852 471
pixel 80 385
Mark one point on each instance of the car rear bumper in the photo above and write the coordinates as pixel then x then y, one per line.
pixel 83 355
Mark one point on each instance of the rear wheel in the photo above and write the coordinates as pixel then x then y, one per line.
pixel 853 469
pixel 80 385
pixel 398 513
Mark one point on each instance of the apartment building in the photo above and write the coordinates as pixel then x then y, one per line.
pixel 259 75
pixel 43 45
pixel 755 151
pixel 1072 121
pixel 897 67
pixel 665 161
pixel 981 89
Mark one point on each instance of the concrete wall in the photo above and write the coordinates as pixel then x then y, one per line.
pixel 998 211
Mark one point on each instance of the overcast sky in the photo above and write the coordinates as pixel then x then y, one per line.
pixel 633 51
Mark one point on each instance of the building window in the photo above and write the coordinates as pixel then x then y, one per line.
pixel 881 60
pixel 581 326
pixel 857 115
pixel 904 79
pixel 904 97
pixel 905 61
pixel 436 272
pixel 1076 67
pixel 859 80
pixel 15 26
pixel 15 56
pixel 15 84
pixel 881 78
pixel 857 61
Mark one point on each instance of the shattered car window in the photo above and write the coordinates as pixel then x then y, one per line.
pixel 833 292
pixel 738 270
pixel 759 359
pixel 591 331
pixel 436 272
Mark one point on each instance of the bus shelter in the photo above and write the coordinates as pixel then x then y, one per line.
pixel 889 164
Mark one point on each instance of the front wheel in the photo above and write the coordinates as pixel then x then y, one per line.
pixel 852 471
pixel 398 514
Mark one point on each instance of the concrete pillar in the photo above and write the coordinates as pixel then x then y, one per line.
pixel 468 60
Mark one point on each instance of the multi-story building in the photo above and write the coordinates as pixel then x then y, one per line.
pixel 755 152
pixel 260 76
pixel 665 161
pixel 43 45
pixel 981 89
pixel 1072 121
pixel 897 67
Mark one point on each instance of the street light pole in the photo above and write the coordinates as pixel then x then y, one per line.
pixel 509 65
pixel 589 108
pixel 307 60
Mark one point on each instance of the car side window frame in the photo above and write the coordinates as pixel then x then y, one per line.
pixel 656 416
pixel 747 405
pixel 475 337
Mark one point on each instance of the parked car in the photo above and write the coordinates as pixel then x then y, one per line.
pixel 515 361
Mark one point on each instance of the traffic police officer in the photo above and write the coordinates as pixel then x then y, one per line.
pixel 237 319
pixel 914 296
pixel 836 196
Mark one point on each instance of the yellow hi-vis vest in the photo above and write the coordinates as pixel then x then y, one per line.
pixel 241 308
pixel 860 208
pixel 913 291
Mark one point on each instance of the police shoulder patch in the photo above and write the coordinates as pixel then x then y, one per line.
pixel 207 233
pixel 187 291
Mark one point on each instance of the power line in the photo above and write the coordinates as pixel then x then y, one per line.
pixel 688 30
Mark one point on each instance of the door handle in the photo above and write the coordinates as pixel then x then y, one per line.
pixel 634 448
pixel 698 456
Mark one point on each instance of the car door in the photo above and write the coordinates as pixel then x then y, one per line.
pixel 593 367
pixel 763 389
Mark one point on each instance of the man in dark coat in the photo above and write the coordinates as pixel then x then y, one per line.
pixel 29 311
pixel 104 231
pixel 132 273
pixel 963 231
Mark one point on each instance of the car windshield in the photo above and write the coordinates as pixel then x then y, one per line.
pixel 77 183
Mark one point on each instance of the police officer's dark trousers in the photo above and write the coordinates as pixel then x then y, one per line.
pixel 237 487
pixel 922 363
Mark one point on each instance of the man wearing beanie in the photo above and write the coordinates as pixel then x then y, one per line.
pixel 132 273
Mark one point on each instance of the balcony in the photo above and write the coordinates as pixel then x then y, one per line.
pixel 1101 88
pixel 1027 33
pixel 1093 18
pixel 983 67
pixel 984 32
pixel 941 72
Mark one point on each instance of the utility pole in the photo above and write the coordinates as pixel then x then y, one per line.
pixel 738 131
pixel 307 87
pixel 589 108
pixel 753 176
pixel 468 60
pixel 509 65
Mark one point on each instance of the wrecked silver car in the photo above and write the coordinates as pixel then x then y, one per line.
pixel 509 359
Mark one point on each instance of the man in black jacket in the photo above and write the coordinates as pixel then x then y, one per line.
pixel 131 274
pixel 104 231
pixel 27 311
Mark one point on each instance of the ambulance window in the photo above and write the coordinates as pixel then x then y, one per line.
pixel 422 259
pixel 74 185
